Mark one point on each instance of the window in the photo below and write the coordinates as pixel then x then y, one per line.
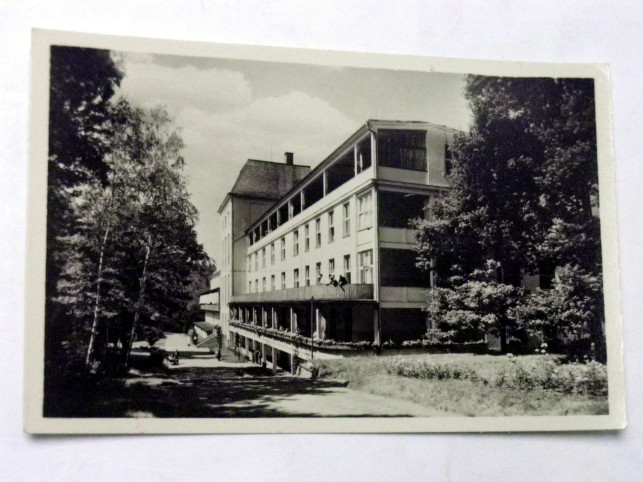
pixel 306 237
pixel 317 232
pixel 272 253
pixel 331 267
pixel 248 266
pixel 365 210
pixel 295 246
pixel 318 273
pixel 397 268
pixel 347 267
pixel 272 282
pixel 448 159
pixel 256 261
pixel 402 149
pixel 263 257
pixel 331 226
pixel 257 285
pixel 296 277
pixel 250 286
pixel 397 209
pixel 365 266
pixel 263 284
pixel 347 219
pixel 283 249
pixel 283 281
pixel 307 275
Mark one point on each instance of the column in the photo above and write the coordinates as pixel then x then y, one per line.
pixel 273 317
pixel 274 360
pixel 263 354
pixel 377 326
pixel 302 199
pixel 263 317
pixel 293 321
pixel 325 182
pixel 320 322
pixel 355 159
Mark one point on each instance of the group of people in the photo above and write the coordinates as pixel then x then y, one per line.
pixel 336 282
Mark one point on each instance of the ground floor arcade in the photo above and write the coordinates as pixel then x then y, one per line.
pixel 285 335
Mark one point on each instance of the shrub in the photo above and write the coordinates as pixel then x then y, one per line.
pixel 475 305
pixel 570 314
pixel 425 370
pixel 548 373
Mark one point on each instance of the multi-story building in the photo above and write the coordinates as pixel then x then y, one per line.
pixel 259 185
pixel 347 220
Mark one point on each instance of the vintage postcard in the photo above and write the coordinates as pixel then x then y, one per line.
pixel 235 239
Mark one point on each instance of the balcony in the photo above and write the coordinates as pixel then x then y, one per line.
pixel 210 307
pixel 362 292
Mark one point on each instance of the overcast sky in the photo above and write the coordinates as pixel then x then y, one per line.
pixel 233 110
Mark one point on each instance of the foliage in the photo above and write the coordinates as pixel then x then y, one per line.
pixel 525 174
pixel 577 378
pixel 81 123
pixel 524 194
pixel 132 261
pixel 424 369
pixel 569 314
pixel 520 373
pixel 472 307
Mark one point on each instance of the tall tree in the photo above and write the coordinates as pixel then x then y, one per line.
pixel 82 82
pixel 524 184
pixel 138 250
pixel 524 181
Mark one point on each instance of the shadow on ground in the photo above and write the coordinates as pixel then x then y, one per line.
pixel 246 391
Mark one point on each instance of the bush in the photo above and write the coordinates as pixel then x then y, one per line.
pixel 547 373
pixel 475 305
pixel 569 315
pixel 425 370
pixel 529 373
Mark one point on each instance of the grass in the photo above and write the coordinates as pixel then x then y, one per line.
pixel 475 385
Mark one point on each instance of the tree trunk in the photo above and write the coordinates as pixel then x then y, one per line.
pixel 92 338
pixel 139 304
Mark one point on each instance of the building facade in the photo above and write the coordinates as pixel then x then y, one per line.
pixel 322 260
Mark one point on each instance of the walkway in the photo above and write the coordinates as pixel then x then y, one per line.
pixel 205 387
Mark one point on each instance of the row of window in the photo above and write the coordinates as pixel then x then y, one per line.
pixel 364 274
pixel 364 221
pixel 355 161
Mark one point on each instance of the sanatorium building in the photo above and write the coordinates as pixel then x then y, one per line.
pixel 287 231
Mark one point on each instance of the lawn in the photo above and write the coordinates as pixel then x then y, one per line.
pixel 479 385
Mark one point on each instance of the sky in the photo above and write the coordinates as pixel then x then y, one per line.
pixel 229 111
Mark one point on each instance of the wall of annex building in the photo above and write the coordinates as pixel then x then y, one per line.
pixel 235 216
pixel 344 243
pixel 245 211
pixel 225 263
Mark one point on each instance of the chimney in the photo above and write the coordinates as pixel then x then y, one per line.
pixel 289 158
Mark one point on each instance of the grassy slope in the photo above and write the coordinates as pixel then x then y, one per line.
pixel 462 397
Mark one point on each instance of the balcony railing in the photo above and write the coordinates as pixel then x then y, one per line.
pixel 305 293
pixel 296 338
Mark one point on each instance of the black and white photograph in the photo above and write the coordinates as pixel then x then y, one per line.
pixel 266 240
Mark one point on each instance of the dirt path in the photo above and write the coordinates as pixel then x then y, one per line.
pixel 207 388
